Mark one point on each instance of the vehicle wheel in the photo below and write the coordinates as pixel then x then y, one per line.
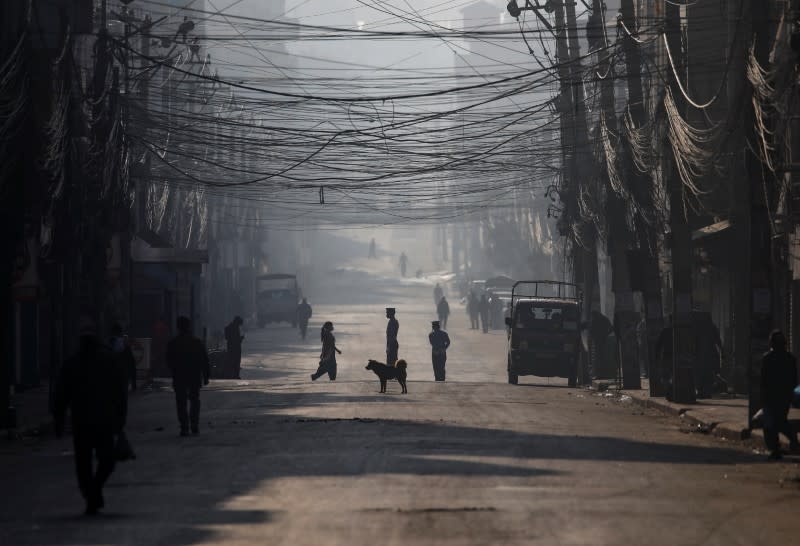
pixel 513 379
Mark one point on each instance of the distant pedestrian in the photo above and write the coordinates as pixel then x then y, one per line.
pixel 440 341
pixel 778 380
pixel 403 264
pixel 121 348
pixel 483 309
pixel 372 253
pixel 392 329
pixel 473 310
pixel 443 311
pixel 187 358
pixel 92 386
pixel 304 312
pixel 327 357
pixel 233 345
pixel 437 294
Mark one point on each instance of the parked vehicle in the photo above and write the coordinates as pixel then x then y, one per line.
pixel 544 330
pixel 277 295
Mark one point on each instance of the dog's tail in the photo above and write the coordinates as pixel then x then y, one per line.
pixel 401 364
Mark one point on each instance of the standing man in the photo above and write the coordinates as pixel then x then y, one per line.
pixel 93 386
pixel 473 309
pixel 438 293
pixel 778 380
pixel 233 341
pixel 443 311
pixel 188 360
pixel 303 314
pixel 392 328
pixel 403 263
pixel 483 309
pixel 440 341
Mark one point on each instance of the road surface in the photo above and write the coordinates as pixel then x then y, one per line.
pixel 284 461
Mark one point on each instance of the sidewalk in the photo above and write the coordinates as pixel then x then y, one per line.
pixel 723 417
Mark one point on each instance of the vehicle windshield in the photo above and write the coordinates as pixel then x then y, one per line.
pixel 535 316
pixel 276 294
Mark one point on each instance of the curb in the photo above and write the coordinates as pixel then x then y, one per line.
pixel 726 431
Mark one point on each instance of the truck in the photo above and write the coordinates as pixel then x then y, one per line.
pixel 544 330
pixel 277 295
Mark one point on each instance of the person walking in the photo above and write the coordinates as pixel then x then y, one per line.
pixel 233 345
pixel 438 293
pixel 440 341
pixel 473 310
pixel 303 315
pixel 483 309
pixel 122 350
pixel 403 264
pixel 778 380
pixel 372 254
pixel 187 358
pixel 94 388
pixel 327 357
pixel 392 329
pixel 443 311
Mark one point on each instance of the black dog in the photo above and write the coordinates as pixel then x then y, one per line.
pixel 385 373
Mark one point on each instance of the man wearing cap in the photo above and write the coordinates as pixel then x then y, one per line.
pixel 188 360
pixel 93 387
pixel 392 328
pixel 440 341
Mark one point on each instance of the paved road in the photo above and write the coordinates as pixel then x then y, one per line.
pixel 283 461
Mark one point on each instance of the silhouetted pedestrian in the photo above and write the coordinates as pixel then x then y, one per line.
pixel 92 386
pixel 483 309
pixel 303 315
pixel 440 341
pixel 778 380
pixel 443 311
pixel 187 358
pixel 403 264
pixel 122 350
pixel 438 293
pixel 372 253
pixel 392 329
pixel 473 310
pixel 233 345
pixel 327 357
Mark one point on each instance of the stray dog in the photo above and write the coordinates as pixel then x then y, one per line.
pixel 385 373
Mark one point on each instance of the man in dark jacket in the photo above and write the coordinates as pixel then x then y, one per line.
pixel 483 308
pixel 188 360
pixel 392 329
pixel 93 386
pixel 443 310
pixel 233 345
pixel 778 380
pixel 303 315
pixel 440 341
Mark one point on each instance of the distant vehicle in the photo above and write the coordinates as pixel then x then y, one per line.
pixel 276 298
pixel 544 330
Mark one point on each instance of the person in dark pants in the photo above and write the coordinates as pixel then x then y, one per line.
pixel 778 380
pixel 93 387
pixel 233 345
pixel 122 349
pixel 473 310
pixel 327 358
pixel 483 309
pixel 303 315
pixel 187 358
pixel 440 341
pixel 392 329
pixel 443 311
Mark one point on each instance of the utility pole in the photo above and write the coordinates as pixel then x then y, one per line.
pixel 646 257
pixel 619 237
pixel 680 240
